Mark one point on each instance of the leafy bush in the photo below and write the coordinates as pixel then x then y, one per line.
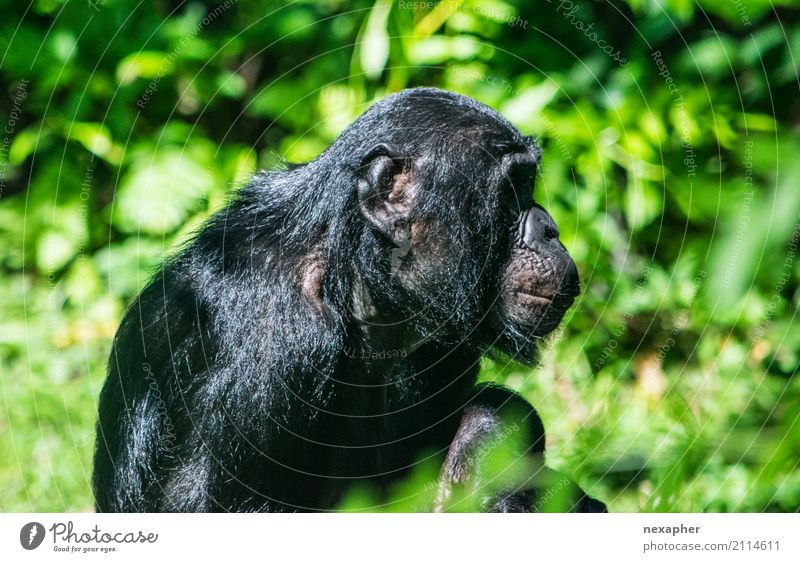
pixel 670 137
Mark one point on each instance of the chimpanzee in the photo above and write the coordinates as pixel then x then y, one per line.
pixel 325 329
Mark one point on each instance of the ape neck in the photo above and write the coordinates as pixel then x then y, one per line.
pixel 380 336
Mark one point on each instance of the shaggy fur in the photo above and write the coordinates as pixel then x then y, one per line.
pixel 326 327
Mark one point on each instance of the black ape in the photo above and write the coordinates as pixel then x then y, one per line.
pixel 326 327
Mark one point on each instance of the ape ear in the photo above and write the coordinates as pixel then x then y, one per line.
pixel 384 193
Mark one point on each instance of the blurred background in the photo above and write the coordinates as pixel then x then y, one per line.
pixel 671 164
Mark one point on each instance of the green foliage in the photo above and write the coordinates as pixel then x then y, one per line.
pixel 673 176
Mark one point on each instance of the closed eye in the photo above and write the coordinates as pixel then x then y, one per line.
pixel 520 171
pixel 502 147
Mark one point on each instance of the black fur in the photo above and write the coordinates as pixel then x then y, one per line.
pixel 327 326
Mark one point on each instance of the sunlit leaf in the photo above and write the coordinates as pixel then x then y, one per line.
pixel 437 49
pixel 54 250
pixel 24 144
pixel 644 201
pixel 97 139
pixel 375 46
pixel 143 64
pixel 157 194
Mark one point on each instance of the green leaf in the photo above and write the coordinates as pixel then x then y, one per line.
pixel 159 192
pixel 54 250
pixel 524 108
pixel 64 45
pixel 231 85
pixel 97 139
pixel 25 144
pixel 64 233
pixel 82 283
pixel 143 64
pixel 644 201
pixel 374 49
pixel 438 49
pixel 244 165
pixel 302 149
pixel 126 267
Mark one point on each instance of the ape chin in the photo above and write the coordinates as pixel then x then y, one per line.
pixel 326 328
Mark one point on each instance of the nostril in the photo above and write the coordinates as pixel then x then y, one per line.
pixel 537 227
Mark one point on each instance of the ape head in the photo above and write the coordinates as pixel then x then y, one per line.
pixel 453 245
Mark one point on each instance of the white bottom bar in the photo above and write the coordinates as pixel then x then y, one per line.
pixel 383 537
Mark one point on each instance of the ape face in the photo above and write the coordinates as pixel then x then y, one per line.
pixel 472 255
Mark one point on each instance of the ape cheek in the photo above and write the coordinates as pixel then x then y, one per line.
pixel 429 244
pixel 432 258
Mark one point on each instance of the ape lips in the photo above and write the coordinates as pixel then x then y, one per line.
pixel 326 328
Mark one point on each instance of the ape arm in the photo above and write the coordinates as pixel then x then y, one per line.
pixel 497 421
